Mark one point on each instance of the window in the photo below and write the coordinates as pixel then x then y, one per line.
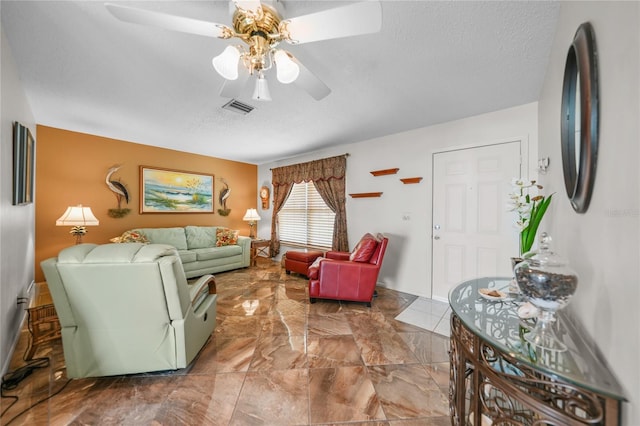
pixel 305 219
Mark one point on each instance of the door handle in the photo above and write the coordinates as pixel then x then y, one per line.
pixel 437 237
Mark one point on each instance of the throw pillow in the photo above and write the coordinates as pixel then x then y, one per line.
pixel 364 249
pixel 226 237
pixel 314 268
pixel 130 237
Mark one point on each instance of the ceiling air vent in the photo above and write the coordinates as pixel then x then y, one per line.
pixel 237 106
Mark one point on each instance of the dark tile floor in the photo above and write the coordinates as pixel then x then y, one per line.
pixel 274 359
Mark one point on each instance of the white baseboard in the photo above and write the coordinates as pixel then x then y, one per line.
pixel 29 291
pixel 14 344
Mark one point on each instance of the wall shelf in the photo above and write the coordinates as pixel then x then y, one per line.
pixel 366 194
pixel 411 180
pixel 385 172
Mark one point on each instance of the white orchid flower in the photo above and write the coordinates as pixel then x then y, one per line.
pixel 530 207
pixel 522 184
pixel 525 209
pixel 513 204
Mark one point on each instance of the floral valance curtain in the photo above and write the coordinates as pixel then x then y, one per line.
pixel 325 169
pixel 329 178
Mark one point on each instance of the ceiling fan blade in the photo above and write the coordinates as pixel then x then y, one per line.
pixel 165 21
pixel 351 20
pixel 310 82
pixel 233 88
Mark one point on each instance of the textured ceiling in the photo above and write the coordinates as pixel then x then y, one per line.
pixel 433 62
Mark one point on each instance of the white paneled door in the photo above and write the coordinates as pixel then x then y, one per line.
pixel 473 233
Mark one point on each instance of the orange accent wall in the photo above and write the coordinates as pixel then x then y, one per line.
pixel 71 169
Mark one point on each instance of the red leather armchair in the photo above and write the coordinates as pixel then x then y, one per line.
pixel 349 276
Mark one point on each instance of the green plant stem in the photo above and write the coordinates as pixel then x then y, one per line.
pixel 528 234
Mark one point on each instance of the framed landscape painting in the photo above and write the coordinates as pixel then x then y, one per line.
pixel 175 191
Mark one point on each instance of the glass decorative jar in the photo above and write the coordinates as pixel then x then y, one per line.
pixel 548 282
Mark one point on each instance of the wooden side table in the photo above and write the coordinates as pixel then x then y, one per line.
pixel 258 247
pixel 42 319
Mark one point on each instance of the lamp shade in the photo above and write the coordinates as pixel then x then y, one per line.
pixel 226 63
pixel 77 216
pixel 261 91
pixel 251 215
pixel 287 71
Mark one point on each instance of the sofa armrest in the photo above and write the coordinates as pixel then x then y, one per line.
pixel 337 255
pixel 245 243
pixel 344 280
pixel 343 269
pixel 58 293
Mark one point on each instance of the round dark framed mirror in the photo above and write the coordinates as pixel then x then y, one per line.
pixel 579 121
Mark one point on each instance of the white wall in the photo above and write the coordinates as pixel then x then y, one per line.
pixel 407 264
pixel 604 243
pixel 17 229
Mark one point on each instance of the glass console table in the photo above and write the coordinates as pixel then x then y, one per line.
pixel 498 378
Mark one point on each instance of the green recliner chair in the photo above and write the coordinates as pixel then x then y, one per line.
pixel 127 308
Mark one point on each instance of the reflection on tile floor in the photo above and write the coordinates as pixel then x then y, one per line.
pixel 428 314
pixel 273 359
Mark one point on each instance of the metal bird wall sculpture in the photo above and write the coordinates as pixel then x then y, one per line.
pixel 222 198
pixel 120 192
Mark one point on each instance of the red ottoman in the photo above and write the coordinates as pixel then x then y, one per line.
pixel 299 261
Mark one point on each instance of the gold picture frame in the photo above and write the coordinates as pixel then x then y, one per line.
pixel 175 191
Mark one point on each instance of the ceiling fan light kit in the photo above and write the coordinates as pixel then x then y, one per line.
pixel 226 63
pixel 262 28
pixel 287 71
pixel 261 91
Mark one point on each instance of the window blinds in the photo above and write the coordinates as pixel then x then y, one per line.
pixel 305 219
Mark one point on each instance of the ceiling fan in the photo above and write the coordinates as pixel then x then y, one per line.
pixel 261 27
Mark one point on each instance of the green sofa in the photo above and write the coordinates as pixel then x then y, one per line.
pixel 197 249
pixel 127 308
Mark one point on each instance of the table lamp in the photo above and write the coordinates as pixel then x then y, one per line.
pixel 252 217
pixel 79 218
